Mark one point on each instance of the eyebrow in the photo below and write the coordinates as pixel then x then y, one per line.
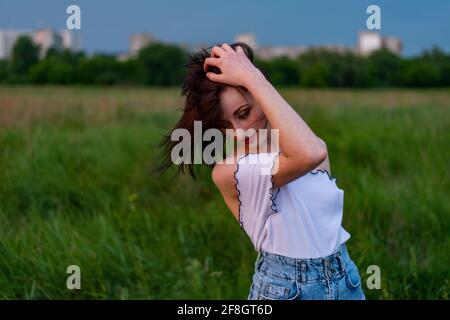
pixel 244 105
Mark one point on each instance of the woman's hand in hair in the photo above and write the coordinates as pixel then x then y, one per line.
pixel 235 67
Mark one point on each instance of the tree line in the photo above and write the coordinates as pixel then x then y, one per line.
pixel 161 64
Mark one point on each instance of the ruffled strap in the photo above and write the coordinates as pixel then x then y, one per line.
pixel 256 192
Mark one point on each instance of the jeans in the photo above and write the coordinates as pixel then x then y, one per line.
pixel 334 277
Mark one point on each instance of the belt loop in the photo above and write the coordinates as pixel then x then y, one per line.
pixel 326 267
pixel 342 263
pixel 303 267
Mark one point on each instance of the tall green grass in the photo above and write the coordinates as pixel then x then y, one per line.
pixel 77 188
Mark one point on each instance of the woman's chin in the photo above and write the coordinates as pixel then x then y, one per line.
pixel 255 144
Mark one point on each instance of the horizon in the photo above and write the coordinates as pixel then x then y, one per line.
pixel 106 27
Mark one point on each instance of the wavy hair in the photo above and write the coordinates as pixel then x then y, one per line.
pixel 201 103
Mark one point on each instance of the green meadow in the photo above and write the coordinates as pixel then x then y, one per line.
pixel 77 187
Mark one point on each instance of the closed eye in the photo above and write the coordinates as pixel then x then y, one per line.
pixel 243 112
pixel 243 115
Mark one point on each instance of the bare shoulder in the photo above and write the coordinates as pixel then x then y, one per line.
pixel 325 165
pixel 223 176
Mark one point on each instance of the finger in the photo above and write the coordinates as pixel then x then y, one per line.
pixel 227 47
pixel 240 50
pixel 215 77
pixel 210 62
pixel 217 52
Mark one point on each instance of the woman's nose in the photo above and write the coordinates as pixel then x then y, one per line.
pixel 242 132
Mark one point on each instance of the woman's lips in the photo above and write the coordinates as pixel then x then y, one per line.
pixel 249 139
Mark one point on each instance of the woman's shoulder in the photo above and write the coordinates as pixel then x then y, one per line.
pixel 223 173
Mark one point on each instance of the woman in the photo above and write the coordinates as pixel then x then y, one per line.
pixel 293 212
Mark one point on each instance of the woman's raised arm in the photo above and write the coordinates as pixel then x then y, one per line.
pixel 301 149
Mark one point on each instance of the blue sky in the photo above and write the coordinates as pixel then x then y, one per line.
pixel 106 25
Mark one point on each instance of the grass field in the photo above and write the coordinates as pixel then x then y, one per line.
pixel 77 188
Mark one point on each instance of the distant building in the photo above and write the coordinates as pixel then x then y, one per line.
pixel 334 48
pixel 369 42
pixel 268 52
pixel 45 38
pixel 393 44
pixel 248 38
pixel 8 39
pixel 279 51
pixel 70 40
pixel 139 41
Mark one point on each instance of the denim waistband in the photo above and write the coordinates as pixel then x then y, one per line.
pixel 303 270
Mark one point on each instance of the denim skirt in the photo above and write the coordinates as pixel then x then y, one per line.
pixel 334 277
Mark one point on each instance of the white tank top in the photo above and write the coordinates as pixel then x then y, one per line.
pixel 301 219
